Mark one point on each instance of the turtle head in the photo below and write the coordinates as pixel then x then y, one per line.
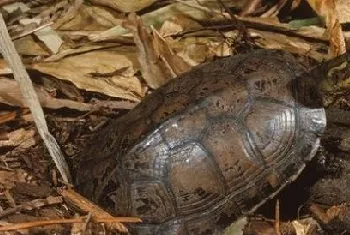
pixel 332 77
pixel 317 87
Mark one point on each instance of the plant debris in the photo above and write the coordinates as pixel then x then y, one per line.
pixel 84 63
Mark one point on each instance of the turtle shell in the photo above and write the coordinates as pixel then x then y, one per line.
pixel 207 147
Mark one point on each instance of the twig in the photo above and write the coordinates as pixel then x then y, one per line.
pixel 277 218
pixel 27 225
pixel 10 54
pixel 97 214
pixel 242 29
pixel 27 32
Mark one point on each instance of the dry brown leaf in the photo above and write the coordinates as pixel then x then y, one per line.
pixel 300 229
pixel 337 211
pixel 175 63
pixel 189 10
pixel 271 40
pixel 4 68
pixel 10 8
pixel 90 17
pixel 20 137
pixel 125 6
pixel 10 94
pixel 47 35
pixel 196 50
pixel 327 9
pixel 343 8
pixel 170 28
pixel 9 178
pixel 219 49
pixel 72 9
pixel 50 38
pixel 306 226
pixel 7 116
pixel 153 71
pixel 106 72
pixel 28 46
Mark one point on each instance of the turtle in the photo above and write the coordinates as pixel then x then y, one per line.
pixel 208 147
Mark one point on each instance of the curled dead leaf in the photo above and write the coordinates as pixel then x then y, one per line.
pixel 125 6
pixel 327 9
pixel 153 71
pixel 10 94
pixel 107 72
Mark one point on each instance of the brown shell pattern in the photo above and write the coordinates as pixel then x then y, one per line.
pixel 207 147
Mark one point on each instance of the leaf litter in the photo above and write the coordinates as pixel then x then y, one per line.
pixel 91 61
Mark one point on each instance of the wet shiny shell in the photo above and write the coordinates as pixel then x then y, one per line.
pixel 208 147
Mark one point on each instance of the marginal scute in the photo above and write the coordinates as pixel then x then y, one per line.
pixel 312 120
pixel 151 198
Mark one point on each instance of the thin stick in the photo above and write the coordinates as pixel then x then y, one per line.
pixel 40 223
pixel 10 54
pixel 97 214
pixel 277 217
pixel 27 225
pixel 236 22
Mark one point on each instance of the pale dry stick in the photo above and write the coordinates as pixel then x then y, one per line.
pixel 277 218
pixel 40 223
pixel 26 33
pixel 10 54
pixel 97 214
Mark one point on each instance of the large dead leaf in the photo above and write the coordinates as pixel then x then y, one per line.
pixel 125 6
pixel 175 63
pixel 198 49
pixel 271 40
pixel 343 9
pixel 187 9
pixel 10 94
pixel 153 70
pixel 50 38
pixel 20 138
pixel 327 9
pixel 106 72
pixel 28 46
pixel 90 18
